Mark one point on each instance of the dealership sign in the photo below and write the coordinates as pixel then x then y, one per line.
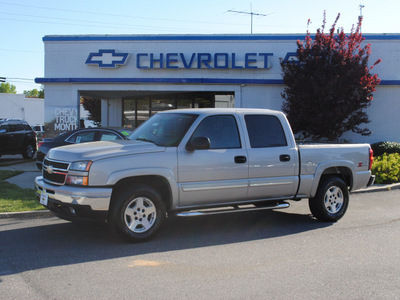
pixel 174 60
pixel 107 59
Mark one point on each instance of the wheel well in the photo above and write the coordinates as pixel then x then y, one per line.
pixel 341 172
pixel 158 183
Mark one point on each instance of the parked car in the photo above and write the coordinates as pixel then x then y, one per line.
pixel 17 137
pixel 82 135
pixel 39 130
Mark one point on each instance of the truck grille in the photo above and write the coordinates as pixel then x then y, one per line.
pixel 55 171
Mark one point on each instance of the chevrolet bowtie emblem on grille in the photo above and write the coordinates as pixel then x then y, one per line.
pixel 50 169
pixel 107 58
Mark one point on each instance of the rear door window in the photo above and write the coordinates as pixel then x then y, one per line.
pixel 82 137
pixel 108 136
pixel 265 131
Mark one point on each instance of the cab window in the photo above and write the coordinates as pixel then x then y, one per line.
pixel 265 131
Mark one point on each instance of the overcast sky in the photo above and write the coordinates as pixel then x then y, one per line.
pixel 25 22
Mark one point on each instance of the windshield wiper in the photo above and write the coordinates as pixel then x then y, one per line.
pixel 146 140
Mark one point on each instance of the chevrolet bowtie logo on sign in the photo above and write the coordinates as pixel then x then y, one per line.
pixel 107 59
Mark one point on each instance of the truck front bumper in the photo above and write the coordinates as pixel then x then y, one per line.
pixel 73 201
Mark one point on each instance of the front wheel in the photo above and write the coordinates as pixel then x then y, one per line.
pixel 138 213
pixel 29 151
pixel 331 200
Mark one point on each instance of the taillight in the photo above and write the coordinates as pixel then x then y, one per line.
pixel 40 144
pixel 371 158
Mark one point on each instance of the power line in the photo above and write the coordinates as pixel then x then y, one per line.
pixel 115 15
pixel 98 23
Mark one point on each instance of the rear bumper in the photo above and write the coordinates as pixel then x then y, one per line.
pixel 371 180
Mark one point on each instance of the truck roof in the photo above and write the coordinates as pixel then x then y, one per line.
pixel 213 111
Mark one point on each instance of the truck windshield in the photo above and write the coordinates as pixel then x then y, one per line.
pixel 164 129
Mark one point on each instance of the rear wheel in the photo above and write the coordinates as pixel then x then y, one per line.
pixel 28 152
pixel 137 214
pixel 331 200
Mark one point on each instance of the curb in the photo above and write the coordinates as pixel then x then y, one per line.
pixel 27 214
pixel 378 188
pixel 47 214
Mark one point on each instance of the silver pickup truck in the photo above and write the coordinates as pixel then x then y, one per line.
pixel 200 161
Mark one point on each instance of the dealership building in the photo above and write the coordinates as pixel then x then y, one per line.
pixel 135 76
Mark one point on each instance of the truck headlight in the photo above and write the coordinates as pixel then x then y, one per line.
pixel 77 180
pixel 81 165
pixel 79 173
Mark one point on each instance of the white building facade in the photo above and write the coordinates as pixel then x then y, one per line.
pixel 137 75
pixel 17 106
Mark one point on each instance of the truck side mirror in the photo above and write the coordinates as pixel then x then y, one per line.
pixel 198 143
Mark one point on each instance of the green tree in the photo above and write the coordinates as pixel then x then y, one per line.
pixel 7 88
pixel 34 93
pixel 329 86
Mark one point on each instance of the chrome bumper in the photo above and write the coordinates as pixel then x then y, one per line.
pixel 97 198
pixel 371 180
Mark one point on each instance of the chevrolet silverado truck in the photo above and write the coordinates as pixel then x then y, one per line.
pixel 200 161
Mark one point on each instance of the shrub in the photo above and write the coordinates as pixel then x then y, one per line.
pixel 386 168
pixel 385 147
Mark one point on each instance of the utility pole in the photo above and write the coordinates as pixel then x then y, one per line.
pixel 251 13
pixel 361 15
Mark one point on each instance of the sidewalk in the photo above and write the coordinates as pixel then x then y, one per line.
pixel 24 180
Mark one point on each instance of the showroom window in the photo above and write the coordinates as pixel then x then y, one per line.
pixel 138 109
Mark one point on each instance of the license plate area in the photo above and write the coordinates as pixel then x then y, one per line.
pixel 44 198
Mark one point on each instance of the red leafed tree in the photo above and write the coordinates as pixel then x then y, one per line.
pixel 329 86
pixel 93 106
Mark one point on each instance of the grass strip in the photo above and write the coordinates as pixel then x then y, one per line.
pixel 16 199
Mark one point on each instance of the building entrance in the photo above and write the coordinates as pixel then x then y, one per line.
pixel 138 109
pixel 132 108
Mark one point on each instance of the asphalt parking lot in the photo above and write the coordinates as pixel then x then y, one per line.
pixel 282 254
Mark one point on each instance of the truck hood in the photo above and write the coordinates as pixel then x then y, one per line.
pixel 100 150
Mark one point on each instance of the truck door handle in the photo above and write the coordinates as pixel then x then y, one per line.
pixel 284 157
pixel 240 159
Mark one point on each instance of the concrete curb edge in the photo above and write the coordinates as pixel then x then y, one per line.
pixel 27 214
pixel 378 188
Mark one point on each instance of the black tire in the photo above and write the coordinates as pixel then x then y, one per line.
pixel 29 151
pixel 137 214
pixel 331 200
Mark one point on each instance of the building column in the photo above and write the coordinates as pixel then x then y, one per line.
pixel 111 112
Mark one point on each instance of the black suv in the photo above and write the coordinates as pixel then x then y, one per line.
pixel 17 137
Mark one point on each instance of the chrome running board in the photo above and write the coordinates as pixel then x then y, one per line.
pixel 230 209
